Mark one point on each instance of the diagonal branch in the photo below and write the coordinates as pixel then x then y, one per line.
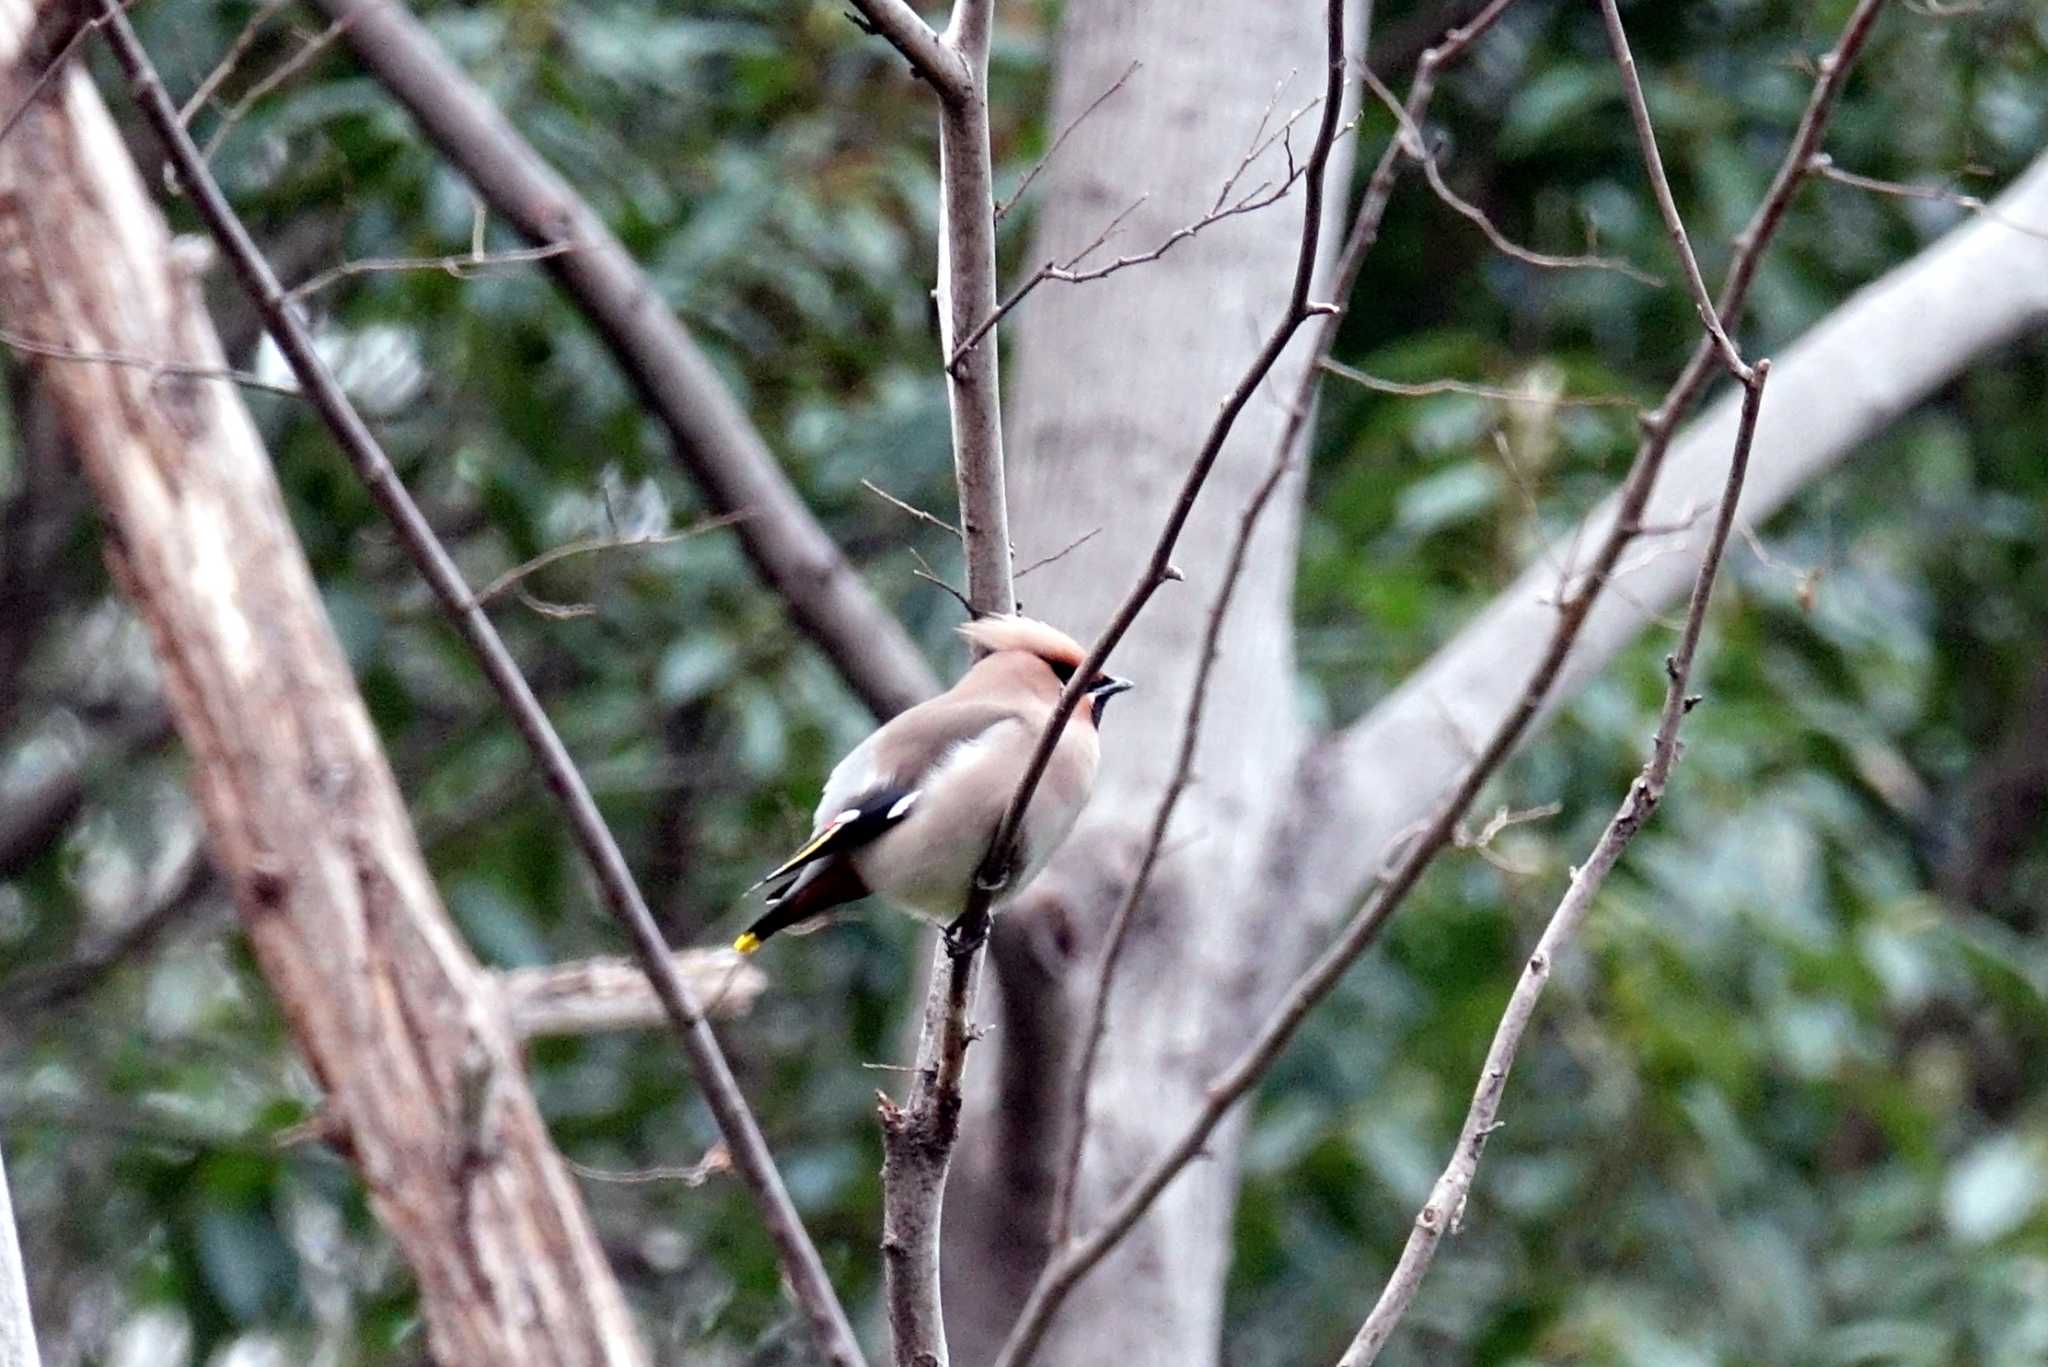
pixel 1070 1264
pixel 1444 1209
pixel 1660 186
pixel 800 1263
pixel 1364 232
pixel 710 434
pixel 934 60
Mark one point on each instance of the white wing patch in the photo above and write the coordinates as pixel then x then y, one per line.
pixel 904 804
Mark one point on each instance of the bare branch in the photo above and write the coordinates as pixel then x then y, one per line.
pixel 158 368
pixel 1067 1266
pixel 1061 141
pixel 1428 388
pixel 1444 1210
pixel 967 292
pixel 1660 185
pixel 1063 552
pixel 918 1137
pixel 708 432
pixel 461 265
pixel 1227 204
pixel 1416 145
pixel 1824 166
pixel 800 1263
pixel 288 68
pixel 937 62
pixel 911 508
pixel 225 67
pixel 597 996
pixel 591 546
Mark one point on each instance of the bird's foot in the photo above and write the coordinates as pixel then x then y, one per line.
pixel 967 933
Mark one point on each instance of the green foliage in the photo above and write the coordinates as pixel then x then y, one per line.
pixel 1787 1107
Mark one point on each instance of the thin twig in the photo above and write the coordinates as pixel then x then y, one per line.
pixel 156 366
pixel 715 1162
pixel 1061 141
pixel 1428 388
pixel 225 67
pixel 461 265
pixel 1444 1210
pixel 1063 552
pixel 911 508
pixel 255 94
pixel 1358 242
pixel 592 545
pixel 1227 204
pixel 1660 186
pixel 1412 141
pixel 1824 166
pixel 1064 1270
pixel 799 1258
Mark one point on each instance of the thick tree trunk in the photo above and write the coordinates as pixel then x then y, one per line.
pixel 1116 383
pixel 397 1020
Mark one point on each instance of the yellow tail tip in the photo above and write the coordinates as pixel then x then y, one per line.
pixel 747 943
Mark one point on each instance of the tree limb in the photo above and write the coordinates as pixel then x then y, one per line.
pixel 710 434
pixel 800 1263
pixel 594 996
pixel 1444 1210
pixel 939 62
pixel 918 1137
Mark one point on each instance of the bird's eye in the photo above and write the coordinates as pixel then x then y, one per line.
pixel 1061 670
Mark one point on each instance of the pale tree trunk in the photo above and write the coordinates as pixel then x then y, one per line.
pixel 1116 382
pixel 397 1021
pixel 17 1329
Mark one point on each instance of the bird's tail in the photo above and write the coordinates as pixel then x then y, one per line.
pixel 818 889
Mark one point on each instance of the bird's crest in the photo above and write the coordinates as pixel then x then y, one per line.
pixel 1013 632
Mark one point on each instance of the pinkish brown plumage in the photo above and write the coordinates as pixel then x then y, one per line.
pixel 910 812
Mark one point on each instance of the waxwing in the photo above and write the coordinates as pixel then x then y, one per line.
pixel 909 814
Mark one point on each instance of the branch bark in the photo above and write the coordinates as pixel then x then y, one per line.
pixel 596 996
pixel 392 1013
pixel 709 433
pixel 918 1136
pixel 799 1258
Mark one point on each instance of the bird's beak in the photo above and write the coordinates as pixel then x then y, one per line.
pixel 1110 686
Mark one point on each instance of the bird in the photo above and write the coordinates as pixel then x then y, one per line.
pixel 909 813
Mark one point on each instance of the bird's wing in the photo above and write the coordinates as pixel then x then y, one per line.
pixel 882 778
pixel 852 826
